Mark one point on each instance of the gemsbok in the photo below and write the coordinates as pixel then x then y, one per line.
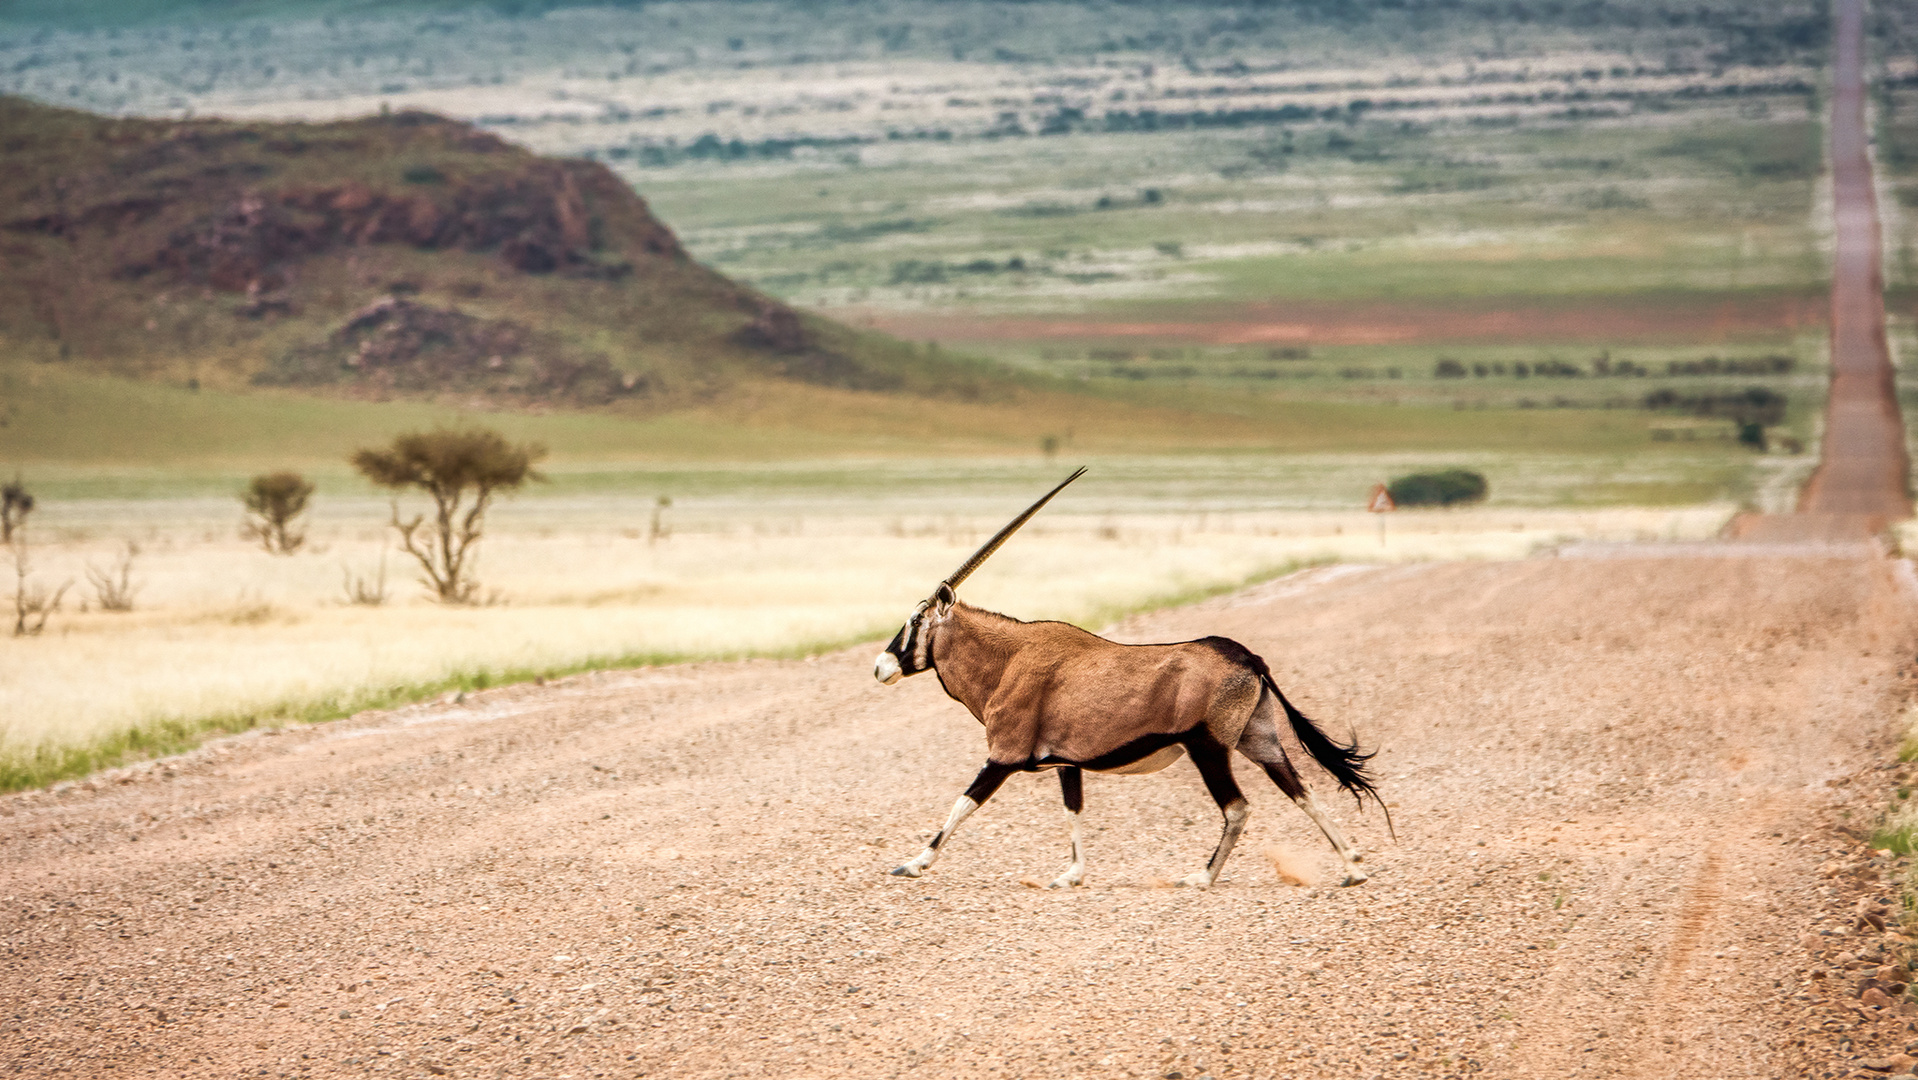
pixel 1052 696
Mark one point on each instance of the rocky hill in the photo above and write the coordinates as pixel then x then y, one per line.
pixel 401 254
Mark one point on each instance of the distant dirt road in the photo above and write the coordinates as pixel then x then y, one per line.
pixel 1863 471
pixel 1609 777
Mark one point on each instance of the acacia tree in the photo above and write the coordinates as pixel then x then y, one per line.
pixel 449 466
pixel 272 501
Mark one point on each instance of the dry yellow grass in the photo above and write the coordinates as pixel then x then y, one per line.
pixel 223 630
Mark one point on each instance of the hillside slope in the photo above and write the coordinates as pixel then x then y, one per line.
pixel 401 255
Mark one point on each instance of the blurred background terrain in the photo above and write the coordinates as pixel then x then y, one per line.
pixel 805 297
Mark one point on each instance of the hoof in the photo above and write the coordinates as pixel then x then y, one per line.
pixel 907 870
pixel 1197 880
pixel 1066 883
pixel 1355 878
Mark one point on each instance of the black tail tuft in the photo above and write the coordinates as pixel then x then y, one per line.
pixel 1345 761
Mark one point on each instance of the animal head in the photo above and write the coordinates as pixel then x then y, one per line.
pixel 910 651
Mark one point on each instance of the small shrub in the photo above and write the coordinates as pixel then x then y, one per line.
pixel 1753 405
pixel 1448 368
pixel 1448 487
pixel 273 501
pixel 16 502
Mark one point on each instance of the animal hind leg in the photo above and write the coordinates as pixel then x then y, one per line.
pixel 1215 766
pixel 983 786
pixel 1072 786
pixel 1260 742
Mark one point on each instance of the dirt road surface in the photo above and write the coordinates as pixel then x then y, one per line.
pixel 1610 777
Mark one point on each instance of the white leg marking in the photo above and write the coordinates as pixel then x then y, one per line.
pixel 1076 872
pixel 1351 855
pixel 960 811
pixel 1235 816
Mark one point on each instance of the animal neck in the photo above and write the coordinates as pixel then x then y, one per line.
pixel 971 651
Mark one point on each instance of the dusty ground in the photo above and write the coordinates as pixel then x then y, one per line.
pixel 1610 778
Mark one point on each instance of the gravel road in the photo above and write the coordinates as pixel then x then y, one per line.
pixel 1618 784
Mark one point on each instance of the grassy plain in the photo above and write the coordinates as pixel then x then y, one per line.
pixel 965 163
pixel 757 561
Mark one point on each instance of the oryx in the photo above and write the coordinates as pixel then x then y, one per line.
pixel 1052 696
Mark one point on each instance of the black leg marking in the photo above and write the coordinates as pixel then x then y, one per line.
pixel 988 781
pixel 1215 766
pixel 1284 775
pixel 1072 786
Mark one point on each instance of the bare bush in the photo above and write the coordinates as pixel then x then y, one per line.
pixel 660 530
pixel 32 604
pixel 113 588
pixel 363 590
pixel 273 501
pixel 449 465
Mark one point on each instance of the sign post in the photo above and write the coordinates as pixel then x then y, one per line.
pixel 1381 504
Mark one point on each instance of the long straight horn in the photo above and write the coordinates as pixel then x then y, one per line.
pixel 965 570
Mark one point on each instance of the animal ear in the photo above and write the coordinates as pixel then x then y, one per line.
pixel 943 598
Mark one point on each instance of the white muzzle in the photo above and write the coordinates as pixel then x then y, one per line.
pixel 886 668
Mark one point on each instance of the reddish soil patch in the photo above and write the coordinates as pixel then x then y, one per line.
pixel 1503 320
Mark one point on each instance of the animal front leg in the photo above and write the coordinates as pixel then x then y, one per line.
pixel 1215 766
pixel 1072 786
pixel 983 786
